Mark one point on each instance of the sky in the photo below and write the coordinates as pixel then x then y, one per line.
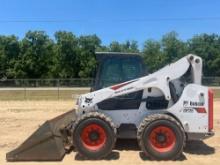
pixel 111 20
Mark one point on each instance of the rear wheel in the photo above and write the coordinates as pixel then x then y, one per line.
pixel 161 137
pixel 94 135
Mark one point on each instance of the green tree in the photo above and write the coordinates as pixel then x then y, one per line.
pixel 9 52
pixel 87 46
pixel 134 47
pixel 128 46
pixel 115 47
pixel 152 55
pixel 208 47
pixel 173 48
pixel 159 53
pixel 36 56
pixel 67 55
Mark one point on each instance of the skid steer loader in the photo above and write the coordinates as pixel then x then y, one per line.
pixel 162 110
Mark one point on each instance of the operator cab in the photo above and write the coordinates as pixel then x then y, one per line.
pixel 114 68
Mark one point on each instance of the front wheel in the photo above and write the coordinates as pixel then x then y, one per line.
pixel 161 137
pixel 94 135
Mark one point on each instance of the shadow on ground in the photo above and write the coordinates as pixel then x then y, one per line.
pixel 132 145
pixel 199 148
pixel 146 158
pixel 125 144
pixel 192 147
pixel 112 156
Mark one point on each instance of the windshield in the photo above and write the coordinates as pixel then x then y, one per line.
pixel 117 70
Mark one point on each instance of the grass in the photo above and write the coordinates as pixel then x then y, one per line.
pixel 33 94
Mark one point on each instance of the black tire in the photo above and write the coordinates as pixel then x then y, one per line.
pixel 161 137
pixel 94 135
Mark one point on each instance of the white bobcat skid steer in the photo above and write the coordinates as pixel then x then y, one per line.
pixel 173 107
pixel 161 110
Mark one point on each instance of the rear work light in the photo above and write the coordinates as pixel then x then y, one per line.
pixel 210 119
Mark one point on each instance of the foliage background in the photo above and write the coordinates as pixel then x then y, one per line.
pixel 69 56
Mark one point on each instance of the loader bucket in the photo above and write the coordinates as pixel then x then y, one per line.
pixel 46 143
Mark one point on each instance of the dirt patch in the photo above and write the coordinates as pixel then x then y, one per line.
pixel 19 119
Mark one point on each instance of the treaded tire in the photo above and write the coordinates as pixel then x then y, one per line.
pixel 154 122
pixel 107 128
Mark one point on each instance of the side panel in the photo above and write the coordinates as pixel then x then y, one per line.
pixel 134 116
pixel 191 110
